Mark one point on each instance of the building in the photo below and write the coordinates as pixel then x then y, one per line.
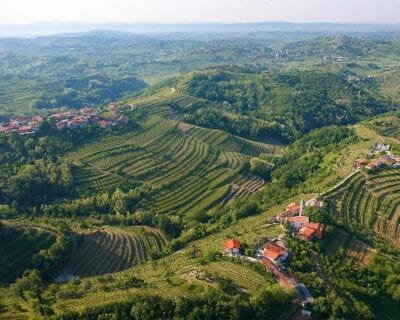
pixel 381 147
pixel 25 130
pixel 298 222
pixel 311 230
pixel 314 202
pixel 232 246
pixel 275 253
pixel 360 163
pixel 292 210
pixel 383 161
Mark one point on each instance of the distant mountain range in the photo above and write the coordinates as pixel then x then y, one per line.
pixel 51 28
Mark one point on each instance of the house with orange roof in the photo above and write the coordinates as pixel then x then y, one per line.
pixel 360 163
pixel 275 253
pixel 311 230
pixel 232 246
pixel 292 210
pixel 298 222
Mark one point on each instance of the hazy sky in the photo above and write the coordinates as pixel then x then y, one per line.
pixel 26 11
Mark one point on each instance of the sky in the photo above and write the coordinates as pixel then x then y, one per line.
pixel 186 11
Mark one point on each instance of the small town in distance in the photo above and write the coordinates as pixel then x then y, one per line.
pixel 69 119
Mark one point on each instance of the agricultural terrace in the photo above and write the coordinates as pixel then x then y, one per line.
pixel 189 171
pixel 369 202
pixel 110 250
pixel 169 275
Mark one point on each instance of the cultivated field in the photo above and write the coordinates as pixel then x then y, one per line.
pixel 110 250
pixel 189 169
pixel 370 202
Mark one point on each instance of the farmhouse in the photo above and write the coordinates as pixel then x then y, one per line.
pixel 311 230
pixel 275 253
pixel 292 210
pixel 232 246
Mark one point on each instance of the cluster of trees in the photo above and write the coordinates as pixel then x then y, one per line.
pixel 84 91
pixel 37 183
pixel 49 260
pixel 283 106
pixel 268 303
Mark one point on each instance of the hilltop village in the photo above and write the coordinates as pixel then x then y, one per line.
pixel 68 119
pixel 274 254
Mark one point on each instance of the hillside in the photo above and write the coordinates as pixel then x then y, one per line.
pixel 28 247
pixel 165 203
pixel 168 158
pixel 369 202
pixel 109 250
pixel 273 106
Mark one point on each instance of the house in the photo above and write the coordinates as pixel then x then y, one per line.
pixel 292 210
pixel 275 253
pixel 105 124
pixel 381 147
pixel 298 222
pixel 314 202
pixel 25 130
pixel 311 230
pixel 232 246
pixel 377 163
pixel 360 163
pixel 294 207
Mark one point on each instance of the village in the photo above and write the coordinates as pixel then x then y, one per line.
pixel 68 119
pixel 274 254
pixel 388 159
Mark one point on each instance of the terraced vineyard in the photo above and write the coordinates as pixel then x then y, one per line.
pixel 190 171
pixel 109 250
pixel 227 142
pixel 370 202
pixel 179 265
pixel 18 248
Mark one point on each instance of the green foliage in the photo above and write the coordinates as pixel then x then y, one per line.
pixel 261 167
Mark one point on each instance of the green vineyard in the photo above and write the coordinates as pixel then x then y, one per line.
pixel 189 169
pixel 110 250
pixel 18 248
pixel 369 202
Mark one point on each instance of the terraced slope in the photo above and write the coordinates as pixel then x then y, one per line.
pixel 370 202
pixel 188 173
pixel 19 245
pixel 227 142
pixel 109 250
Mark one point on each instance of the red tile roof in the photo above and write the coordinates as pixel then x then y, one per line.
pixel 273 251
pixel 303 219
pixel 293 207
pixel 232 244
